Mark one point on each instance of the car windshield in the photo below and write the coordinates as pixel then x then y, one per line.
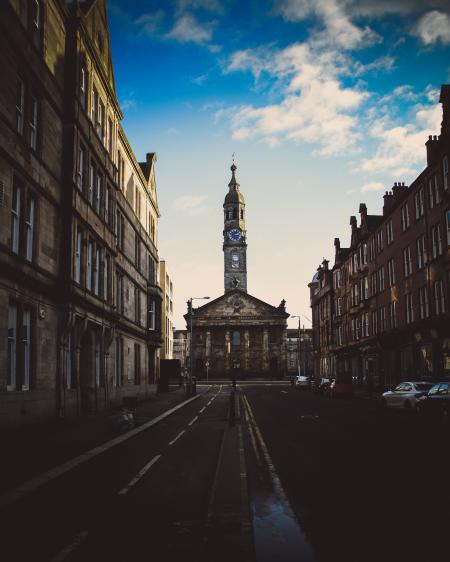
pixel 423 386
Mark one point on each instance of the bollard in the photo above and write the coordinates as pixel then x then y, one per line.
pixel 232 417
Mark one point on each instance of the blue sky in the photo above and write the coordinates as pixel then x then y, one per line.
pixel 325 102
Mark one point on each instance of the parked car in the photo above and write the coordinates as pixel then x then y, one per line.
pixel 302 381
pixel 340 389
pixel 405 395
pixel 320 386
pixel 435 405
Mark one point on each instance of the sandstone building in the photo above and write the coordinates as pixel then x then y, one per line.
pixel 381 314
pixel 237 334
pixel 166 311
pixel 80 327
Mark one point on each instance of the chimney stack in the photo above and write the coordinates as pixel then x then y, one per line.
pixel 432 145
pixel 388 200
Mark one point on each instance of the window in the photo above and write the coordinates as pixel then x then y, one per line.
pixel 89 268
pixel 29 228
pixel 83 85
pixel 405 217
pixel 97 271
pixel 373 282
pixel 151 270
pixel 419 202
pixel 379 239
pixel 137 251
pixel 422 257
pixel 448 227
pixel 439 300
pixel 407 262
pixel 365 288
pixel 19 347
pixel 81 172
pixel 98 199
pixel 110 136
pixel 235 261
pixel 106 270
pixel 36 23
pixel 436 241
pixel 236 338
pixel 424 310
pixel 33 124
pixel 391 271
pixel 120 230
pixel 409 308
pixel 15 219
pixel 92 182
pixel 12 348
pixel 445 171
pixel 151 315
pixel 20 105
pixel 108 204
pixel 101 120
pixel 393 314
pixel 94 107
pixel 365 324
pixel 78 256
pixel 381 285
pixel 382 319
pixel 389 232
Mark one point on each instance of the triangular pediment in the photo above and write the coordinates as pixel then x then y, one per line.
pixel 239 304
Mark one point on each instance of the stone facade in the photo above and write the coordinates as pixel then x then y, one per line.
pixel 166 311
pixel 78 221
pixel 239 335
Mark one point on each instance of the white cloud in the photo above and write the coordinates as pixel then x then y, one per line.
pixel 401 148
pixel 192 205
pixel 434 27
pixel 187 29
pixel 316 108
pixel 372 186
pixel 199 80
pixel 150 22
pixel 172 131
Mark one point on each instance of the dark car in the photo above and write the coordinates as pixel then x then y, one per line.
pixel 320 386
pixel 435 405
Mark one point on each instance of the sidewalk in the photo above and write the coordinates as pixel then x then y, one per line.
pixel 29 451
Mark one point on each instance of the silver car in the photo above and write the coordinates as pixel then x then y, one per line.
pixel 405 395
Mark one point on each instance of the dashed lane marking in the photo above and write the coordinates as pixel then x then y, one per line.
pixel 63 554
pixel 284 392
pixel 177 437
pixel 139 475
pixel 202 410
pixel 193 420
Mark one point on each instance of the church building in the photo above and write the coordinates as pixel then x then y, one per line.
pixel 237 334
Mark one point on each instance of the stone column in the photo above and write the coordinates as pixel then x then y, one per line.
pixel 246 350
pixel 227 350
pixel 266 349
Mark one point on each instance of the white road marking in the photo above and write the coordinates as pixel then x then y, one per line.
pixel 284 392
pixel 71 547
pixel 209 403
pixel 177 437
pixel 46 477
pixel 202 410
pixel 139 475
pixel 193 421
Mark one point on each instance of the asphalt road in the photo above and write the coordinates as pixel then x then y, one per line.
pixel 145 499
pixel 364 484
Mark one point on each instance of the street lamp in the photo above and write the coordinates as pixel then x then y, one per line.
pixel 191 346
pixel 298 345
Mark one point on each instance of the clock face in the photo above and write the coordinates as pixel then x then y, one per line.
pixel 235 234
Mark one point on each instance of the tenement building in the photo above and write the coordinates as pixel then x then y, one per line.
pixel 381 315
pixel 299 352
pixel 78 221
pixel 166 311
pixel 237 334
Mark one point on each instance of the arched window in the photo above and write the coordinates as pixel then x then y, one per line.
pixel 236 339
pixel 242 213
pixel 235 215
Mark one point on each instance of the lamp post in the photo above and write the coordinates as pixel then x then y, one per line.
pixel 298 346
pixel 191 343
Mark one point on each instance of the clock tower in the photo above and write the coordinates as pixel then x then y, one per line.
pixel 234 237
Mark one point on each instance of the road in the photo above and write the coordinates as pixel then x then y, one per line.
pixel 365 484
pixel 323 480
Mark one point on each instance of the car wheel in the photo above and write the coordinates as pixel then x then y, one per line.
pixel 407 405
